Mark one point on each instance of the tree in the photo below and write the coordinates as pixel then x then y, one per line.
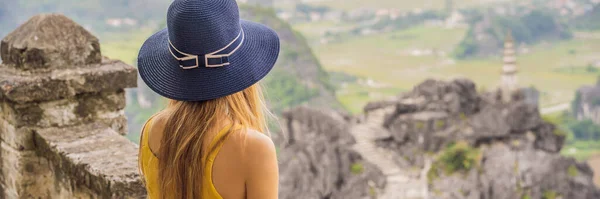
pixel 573 53
pixel 585 130
pixel 576 103
pixel 540 22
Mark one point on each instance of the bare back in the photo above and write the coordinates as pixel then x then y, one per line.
pixel 243 167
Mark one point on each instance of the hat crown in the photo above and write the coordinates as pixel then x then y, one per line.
pixel 203 26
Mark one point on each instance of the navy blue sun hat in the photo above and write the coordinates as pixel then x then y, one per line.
pixel 206 52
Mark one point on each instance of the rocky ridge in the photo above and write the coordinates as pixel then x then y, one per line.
pixel 316 158
pixel 442 140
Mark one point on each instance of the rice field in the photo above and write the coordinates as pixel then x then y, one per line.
pixel 403 59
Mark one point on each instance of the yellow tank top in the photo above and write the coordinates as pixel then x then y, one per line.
pixel 149 164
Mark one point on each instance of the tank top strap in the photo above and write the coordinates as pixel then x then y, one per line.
pixel 144 137
pixel 215 145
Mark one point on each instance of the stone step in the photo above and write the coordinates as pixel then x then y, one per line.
pixel 398 179
pixel 374 155
pixel 378 157
pixel 410 185
pixel 400 184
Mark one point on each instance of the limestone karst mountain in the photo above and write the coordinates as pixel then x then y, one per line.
pixel 317 160
pixel 442 140
pixel 298 77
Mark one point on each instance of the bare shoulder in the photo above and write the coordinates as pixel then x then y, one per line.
pixel 261 169
pixel 251 143
pixel 257 150
pixel 258 142
pixel 160 119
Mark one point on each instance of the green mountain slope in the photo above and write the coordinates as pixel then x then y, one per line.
pixel 298 77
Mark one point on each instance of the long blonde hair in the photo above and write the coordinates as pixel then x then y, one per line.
pixel 181 150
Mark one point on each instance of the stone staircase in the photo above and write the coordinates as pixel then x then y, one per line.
pixel 401 182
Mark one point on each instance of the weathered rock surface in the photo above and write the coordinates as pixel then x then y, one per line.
pixel 80 154
pixel 110 75
pixel 531 95
pixel 49 41
pixel 61 116
pixel 506 173
pixel 518 150
pixel 316 159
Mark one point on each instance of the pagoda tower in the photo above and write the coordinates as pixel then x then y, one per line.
pixel 509 69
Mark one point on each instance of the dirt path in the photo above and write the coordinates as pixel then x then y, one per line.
pixel 556 108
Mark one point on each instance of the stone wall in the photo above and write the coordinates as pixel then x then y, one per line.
pixel 61 115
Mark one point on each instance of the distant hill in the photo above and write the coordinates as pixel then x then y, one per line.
pixel 488 30
pixel 589 21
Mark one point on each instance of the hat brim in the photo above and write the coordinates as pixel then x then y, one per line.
pixel 248 65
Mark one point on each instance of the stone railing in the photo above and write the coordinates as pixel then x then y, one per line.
pixel 61 115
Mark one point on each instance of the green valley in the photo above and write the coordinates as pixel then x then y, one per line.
pixel 397 60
